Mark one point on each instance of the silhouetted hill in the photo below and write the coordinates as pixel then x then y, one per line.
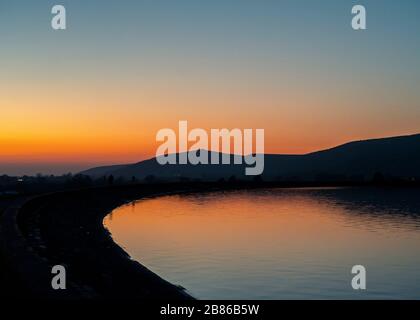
pixel 395 157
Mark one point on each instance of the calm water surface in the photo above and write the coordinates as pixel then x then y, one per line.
pixel 278 243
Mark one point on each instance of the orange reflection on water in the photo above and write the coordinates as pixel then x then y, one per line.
pixel 241 240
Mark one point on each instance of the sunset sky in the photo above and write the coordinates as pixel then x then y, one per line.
pixel 98 92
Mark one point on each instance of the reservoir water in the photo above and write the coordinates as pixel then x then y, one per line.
pixel 278 243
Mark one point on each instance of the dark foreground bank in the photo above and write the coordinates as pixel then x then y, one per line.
pixel 65 228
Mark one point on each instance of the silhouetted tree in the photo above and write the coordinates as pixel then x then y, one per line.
pixel 111 180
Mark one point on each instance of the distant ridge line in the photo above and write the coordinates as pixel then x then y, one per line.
pixel 393 157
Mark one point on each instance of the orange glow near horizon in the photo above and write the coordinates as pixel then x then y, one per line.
pixel 36 129
pixel 103 146
pixel 115 121
pixel 119 143
pixel 108 123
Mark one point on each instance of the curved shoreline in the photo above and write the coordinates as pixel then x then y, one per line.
pixel 67 228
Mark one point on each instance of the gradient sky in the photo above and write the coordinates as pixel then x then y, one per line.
pixel 99 91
